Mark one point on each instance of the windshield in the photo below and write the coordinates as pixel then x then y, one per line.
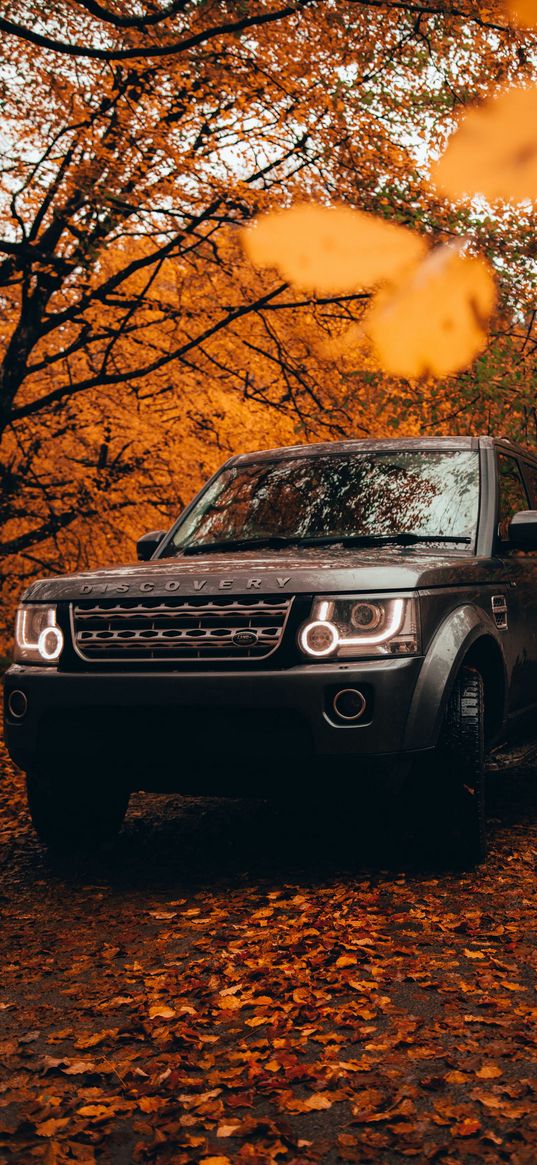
pixel 338 496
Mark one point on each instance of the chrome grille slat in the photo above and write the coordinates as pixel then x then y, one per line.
pixel 97 610
pixel 177 628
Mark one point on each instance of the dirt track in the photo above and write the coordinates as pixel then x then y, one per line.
pixel 221 988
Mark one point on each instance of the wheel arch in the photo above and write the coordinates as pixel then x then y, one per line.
pixel 485 655
pixel 463 638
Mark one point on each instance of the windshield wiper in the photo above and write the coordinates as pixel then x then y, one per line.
pixel 401 538
pixel 271 542
pixel 404 539
pixel 278 542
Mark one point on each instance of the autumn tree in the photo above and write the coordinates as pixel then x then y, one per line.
pixel 139 345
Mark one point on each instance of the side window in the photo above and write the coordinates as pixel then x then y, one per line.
pixel 513 496
pixel 531 477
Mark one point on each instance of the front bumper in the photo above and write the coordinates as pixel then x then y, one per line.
pixel 172 720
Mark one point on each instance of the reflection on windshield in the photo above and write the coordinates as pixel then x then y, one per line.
pixel 338 494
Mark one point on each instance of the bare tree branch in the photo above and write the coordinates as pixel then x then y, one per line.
pixel 156 50
pixel 98 381
pixel 141 22
pixel 40 533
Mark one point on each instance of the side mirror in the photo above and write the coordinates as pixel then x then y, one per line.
pixel 523 530
pixel 147 544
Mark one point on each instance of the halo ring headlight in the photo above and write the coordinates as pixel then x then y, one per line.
pixel 319 638
pixel 351 627
pixel 38 638
pixel 50 643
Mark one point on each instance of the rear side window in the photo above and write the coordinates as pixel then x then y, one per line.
pixel 530 472
pixel 512 492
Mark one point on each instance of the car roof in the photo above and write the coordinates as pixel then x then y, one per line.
pixel 390 444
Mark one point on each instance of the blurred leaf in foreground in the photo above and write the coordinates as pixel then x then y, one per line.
pixel 331 250
pixel 523 12
pixel 494 150
pixel 435 320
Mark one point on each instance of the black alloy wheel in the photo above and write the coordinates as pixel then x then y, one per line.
pixel 75 812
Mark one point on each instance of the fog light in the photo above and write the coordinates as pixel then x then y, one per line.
pixel 349 704
pixel 319 638
pixel 17 703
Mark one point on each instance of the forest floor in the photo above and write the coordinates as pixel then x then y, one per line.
pixel 233 985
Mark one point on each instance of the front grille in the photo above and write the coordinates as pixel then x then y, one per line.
pixel 222 628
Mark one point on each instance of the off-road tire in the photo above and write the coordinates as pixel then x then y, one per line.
pixel 459 779
pixel 75 812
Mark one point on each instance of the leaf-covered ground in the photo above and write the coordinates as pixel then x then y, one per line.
pixel 229 986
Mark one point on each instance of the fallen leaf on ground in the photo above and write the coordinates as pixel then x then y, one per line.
pixel 78 1067
pixel 161 1011
pixel 466 1128
pixel 229 1002
pixel 49 1128
pixel 489 1072
pixel 227 1130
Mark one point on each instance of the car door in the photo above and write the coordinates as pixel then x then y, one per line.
pixel 520 574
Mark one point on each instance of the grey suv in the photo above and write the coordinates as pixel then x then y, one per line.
pixel 357 611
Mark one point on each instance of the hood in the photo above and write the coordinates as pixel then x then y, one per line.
pixel 271 572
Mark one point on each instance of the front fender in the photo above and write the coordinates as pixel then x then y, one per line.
pixel 447 650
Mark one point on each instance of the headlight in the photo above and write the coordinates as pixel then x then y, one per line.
pixel 38 639
pixel 354 628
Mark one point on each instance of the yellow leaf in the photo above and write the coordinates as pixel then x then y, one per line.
pixel 229 1002
pixel 227 1130
pixel 346 961
pixel 466 1128
pixel 331 249
pixel 523 12
pixel 318 1101
pixel 473 954
pixel 494 150
pixel 161 1011
pixel 215 1161
pixel 78 1067
pixel 456 1077
pixel 89 1041
pixel 51 1127
pixel 434 321
pixel 488 1072
pixel 94 1110
pixel 151 1103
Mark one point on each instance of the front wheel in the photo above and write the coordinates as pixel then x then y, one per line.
pixel 74 812
pixel 450 791
pixel 462 768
